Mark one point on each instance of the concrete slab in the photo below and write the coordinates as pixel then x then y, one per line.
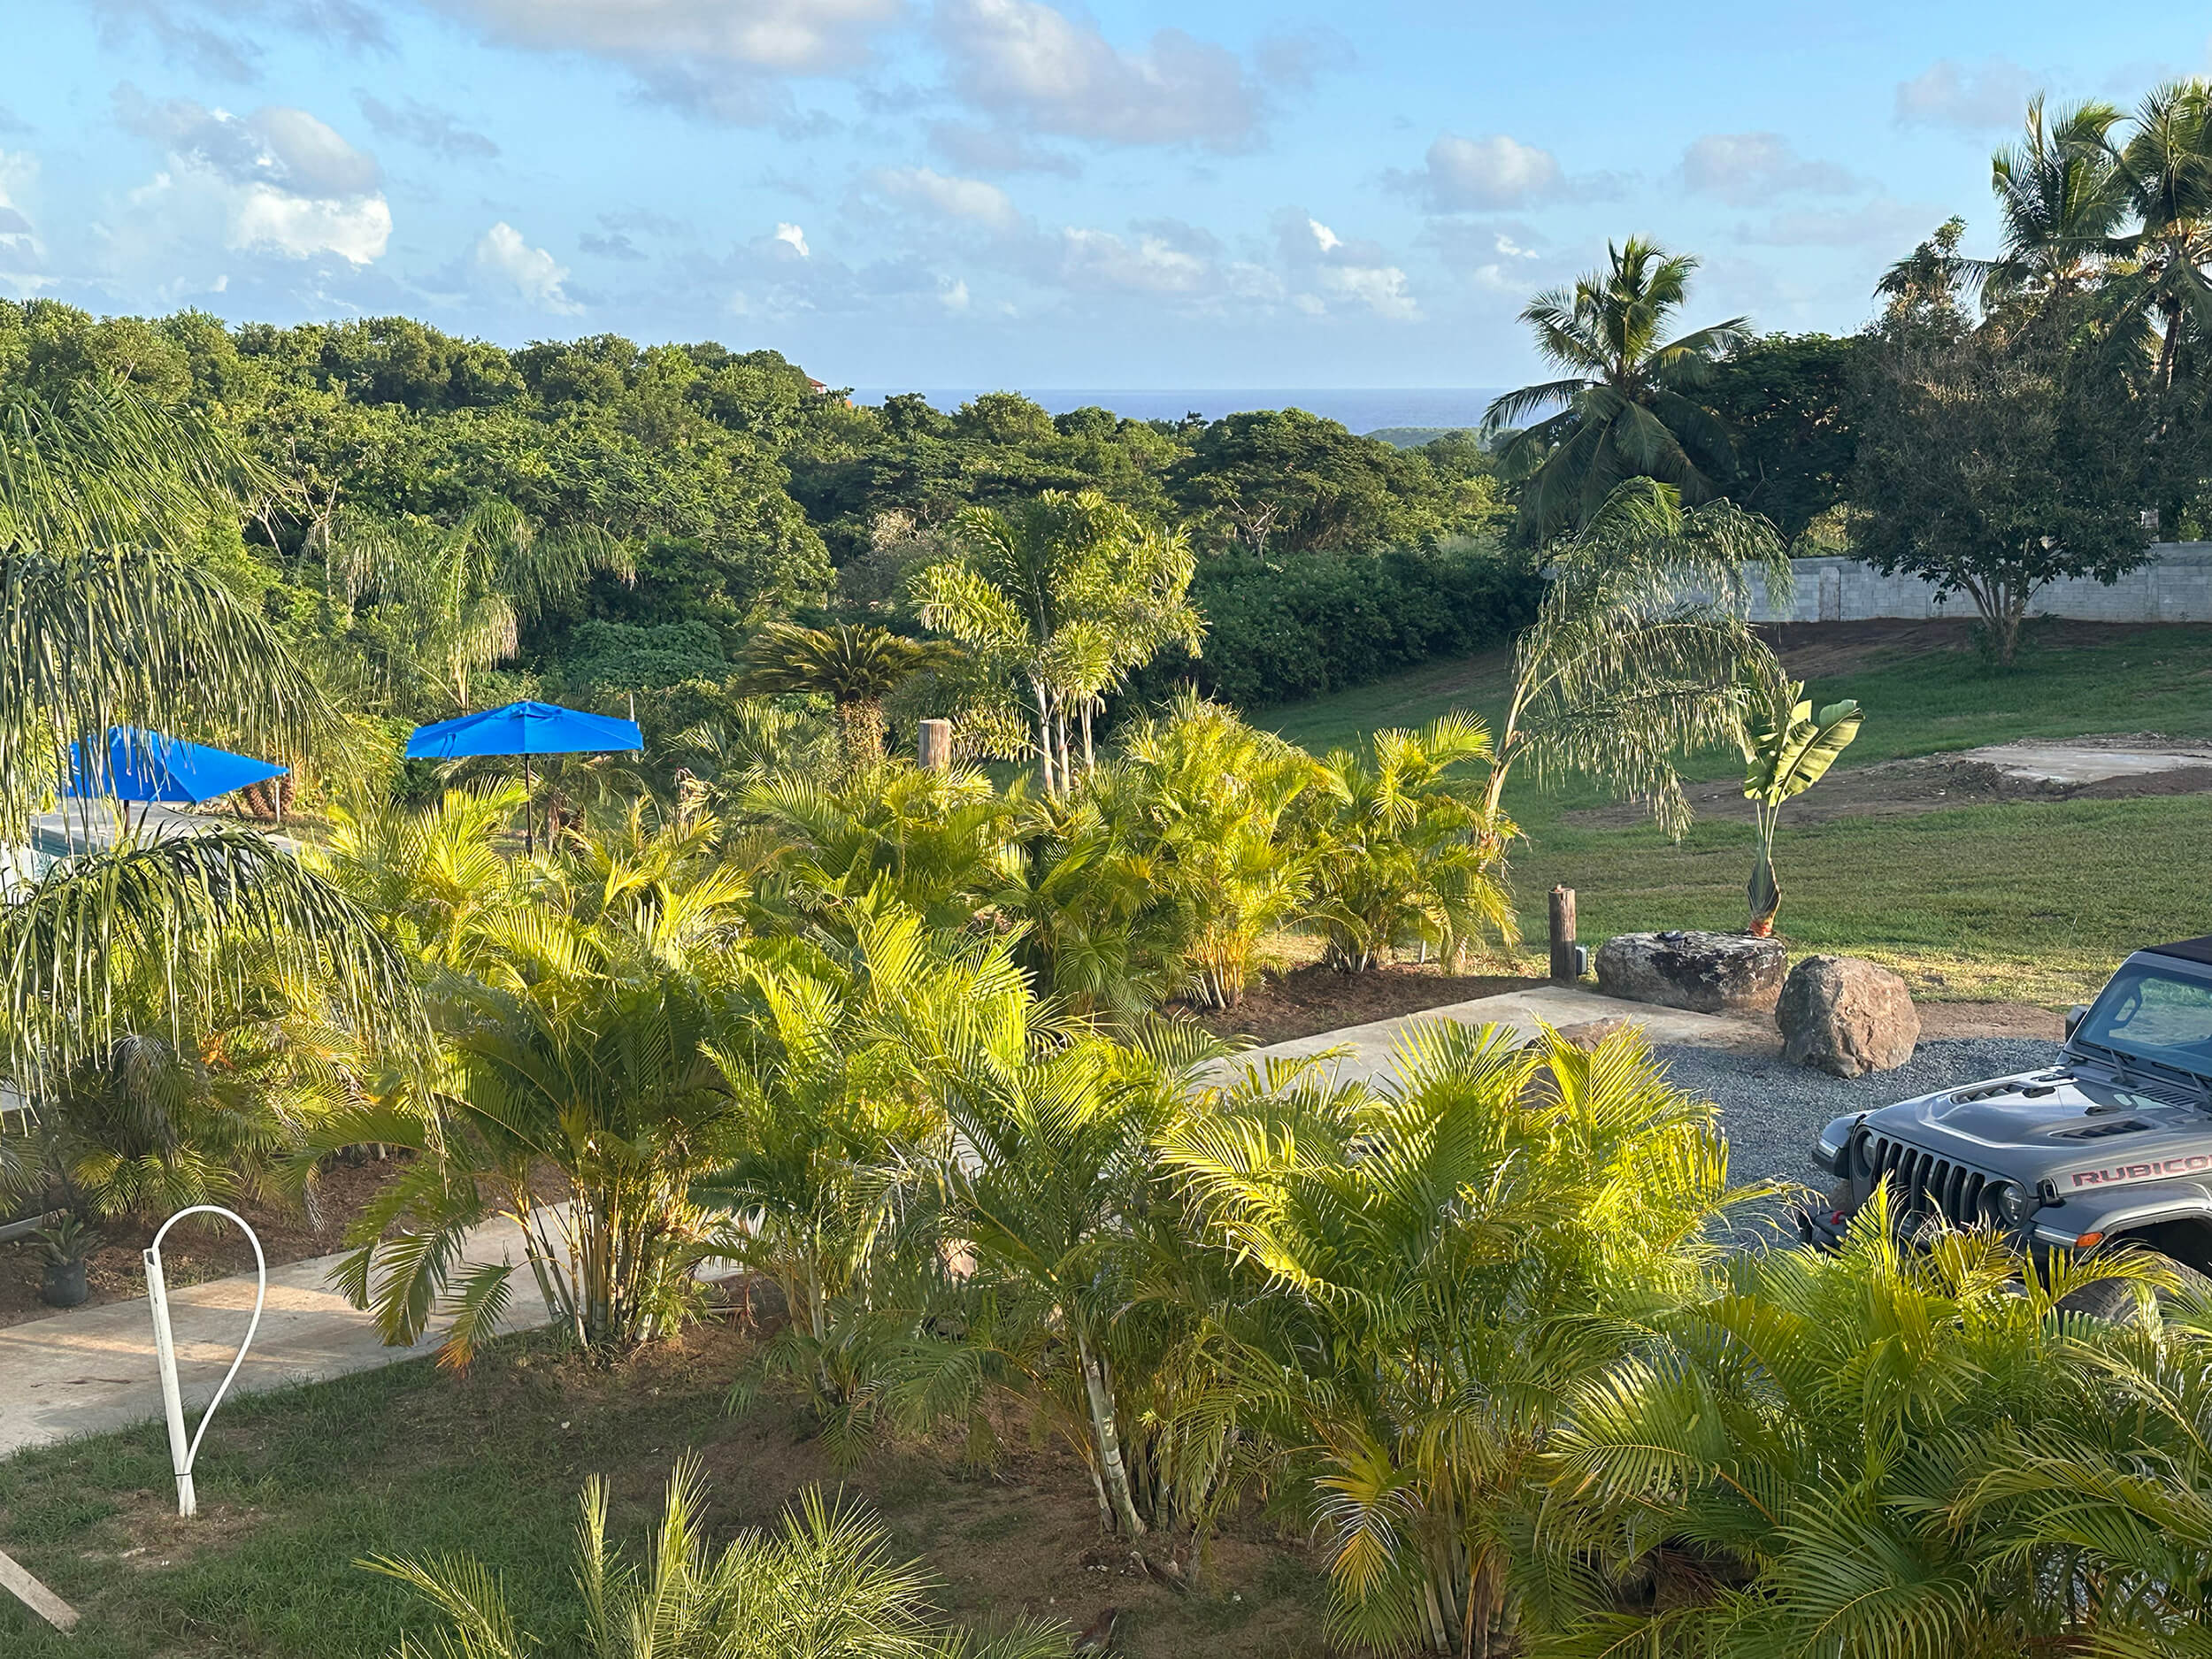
pixel 2078 764
pixel 1368 1048
pixel 92 1368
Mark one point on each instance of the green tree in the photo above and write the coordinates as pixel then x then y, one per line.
pixel 1787 403
pixel 1993 457
pixel 1057 600
pixel 1631 403
pixel 1444 1252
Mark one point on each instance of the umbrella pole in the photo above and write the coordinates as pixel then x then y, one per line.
pixel 529 819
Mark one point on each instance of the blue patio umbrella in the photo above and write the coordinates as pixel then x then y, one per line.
pixel 143 765
pixel 525 729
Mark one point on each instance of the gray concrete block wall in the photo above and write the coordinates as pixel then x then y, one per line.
pixel 2175 585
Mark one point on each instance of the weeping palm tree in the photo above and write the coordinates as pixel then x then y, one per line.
pixel 1627 401
pixel 108 618
pixel 457 598
pixel 855 665
pixel 1639 646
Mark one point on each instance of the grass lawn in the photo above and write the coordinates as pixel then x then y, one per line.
pixel 294 1487
pixel 2023 900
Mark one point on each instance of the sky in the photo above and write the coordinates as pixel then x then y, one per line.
pixel 1012 192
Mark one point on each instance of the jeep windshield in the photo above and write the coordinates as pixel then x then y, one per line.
pixel 2160 1018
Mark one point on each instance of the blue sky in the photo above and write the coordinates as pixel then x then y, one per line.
pixel 1009 192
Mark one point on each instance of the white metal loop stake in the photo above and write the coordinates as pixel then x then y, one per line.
pixel 182 1455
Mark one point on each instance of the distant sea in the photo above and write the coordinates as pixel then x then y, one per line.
pixel 1363 409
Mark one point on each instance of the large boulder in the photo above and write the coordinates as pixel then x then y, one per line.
pixel 1845 1017
pixel 1710 973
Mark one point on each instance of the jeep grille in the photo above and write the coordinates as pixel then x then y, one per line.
pixel 1921 1183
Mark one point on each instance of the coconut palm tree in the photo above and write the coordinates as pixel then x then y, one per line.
pixel 1057 600
pixel 1627 399
pixel 855 665
pixel 822 1583
pixel 1402 852
pixel 1639 647
pixel 2166 170
pixel 2062 197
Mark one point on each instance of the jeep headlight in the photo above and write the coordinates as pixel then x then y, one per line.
pixel 2011 1202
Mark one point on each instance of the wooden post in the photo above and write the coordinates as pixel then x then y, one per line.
pixel 934 748
pixel 1562 934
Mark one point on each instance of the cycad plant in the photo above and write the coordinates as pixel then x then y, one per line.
pixel 1639 647
pixel 1402 852
pixel 1627 405
pixel 855 665
pixel 1446 1254
pixel 1788 749
pixel 822 1584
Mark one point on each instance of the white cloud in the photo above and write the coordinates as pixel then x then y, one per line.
pixel 531 273
pixel 278 179
pixel 1471 174
pixel 996 150
pixel 1381 288
pixel 22 254
pixel 1148 263
pixel 1973 98
pixel 1323 237
pixel 794 238
pixel 955 298
pixel 1743 168
pixel 784 36
pixel 1030 62
pixel 223 37
pixel 947 196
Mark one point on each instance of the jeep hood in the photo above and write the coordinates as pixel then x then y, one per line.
pixel 2061 1126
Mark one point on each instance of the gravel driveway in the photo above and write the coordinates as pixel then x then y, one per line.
pixel 1773 1112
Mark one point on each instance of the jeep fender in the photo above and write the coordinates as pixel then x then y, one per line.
pixel 2122 1210
pixel 1835 1140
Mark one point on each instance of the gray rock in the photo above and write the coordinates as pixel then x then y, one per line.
pixel 1845 1017
pixel 1708 973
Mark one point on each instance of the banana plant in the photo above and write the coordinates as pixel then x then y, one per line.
pixel 1788 749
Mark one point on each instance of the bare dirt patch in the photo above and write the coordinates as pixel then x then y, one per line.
pixel 1936 783
pixel 1939 1021
pixel 1309 1000
pixel 194 1252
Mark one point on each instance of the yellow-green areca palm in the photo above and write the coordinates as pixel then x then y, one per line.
pixel 1626 401
pixel 1444 1255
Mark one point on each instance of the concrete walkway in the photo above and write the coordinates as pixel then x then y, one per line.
pixel 92 1368
pixel 1368 1048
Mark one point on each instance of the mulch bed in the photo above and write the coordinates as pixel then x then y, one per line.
pixel 200 1249
pixel 1307 1001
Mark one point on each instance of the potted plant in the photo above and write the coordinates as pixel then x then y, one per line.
pixel 64 1248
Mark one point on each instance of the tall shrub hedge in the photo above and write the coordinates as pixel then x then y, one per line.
pixel 1281 630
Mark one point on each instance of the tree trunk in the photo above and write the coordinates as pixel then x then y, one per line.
pixel 1765 891
pixel 1098 1388
pixel 1044 737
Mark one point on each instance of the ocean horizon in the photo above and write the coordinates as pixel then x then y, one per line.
pixel 1363 409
